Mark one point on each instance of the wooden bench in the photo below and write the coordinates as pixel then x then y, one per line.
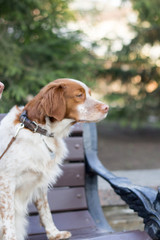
pixel 74 200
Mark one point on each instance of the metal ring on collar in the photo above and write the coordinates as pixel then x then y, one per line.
pixel 36 127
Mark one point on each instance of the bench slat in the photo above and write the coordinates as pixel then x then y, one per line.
pixel 73 175
pixel 65 199
pixel 82 226
pixel 77 130
pixel 96 234
pixel 68 221
pixel 89 233
pixel 75 147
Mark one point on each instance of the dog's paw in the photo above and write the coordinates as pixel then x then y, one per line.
pixel 60 235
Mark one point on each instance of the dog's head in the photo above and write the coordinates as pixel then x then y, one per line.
pixel 66 98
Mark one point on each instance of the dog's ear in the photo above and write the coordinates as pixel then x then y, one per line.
pixel 53 102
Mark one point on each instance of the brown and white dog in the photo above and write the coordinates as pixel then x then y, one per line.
pixel 27 168
pixel 1 89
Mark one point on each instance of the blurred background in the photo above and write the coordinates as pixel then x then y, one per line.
pixel 112 46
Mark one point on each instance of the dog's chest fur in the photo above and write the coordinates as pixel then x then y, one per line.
pixel 36 159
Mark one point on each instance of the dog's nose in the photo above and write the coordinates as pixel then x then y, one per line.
pixel 105 108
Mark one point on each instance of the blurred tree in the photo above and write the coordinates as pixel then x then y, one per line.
pixel 137 69
pixel 37 47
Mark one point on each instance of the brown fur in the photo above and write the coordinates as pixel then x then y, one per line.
pixel 55 101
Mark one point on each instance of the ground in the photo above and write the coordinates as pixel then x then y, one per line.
pixel 122 148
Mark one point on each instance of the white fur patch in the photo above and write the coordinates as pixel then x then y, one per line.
pixel 29 168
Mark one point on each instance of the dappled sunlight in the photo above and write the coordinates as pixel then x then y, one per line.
pixel 104 19
pixel 152 86
pixel 136 79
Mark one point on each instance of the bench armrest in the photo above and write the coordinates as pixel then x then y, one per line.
pixel 143 200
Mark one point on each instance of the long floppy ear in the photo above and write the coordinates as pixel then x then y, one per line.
pixel 54 103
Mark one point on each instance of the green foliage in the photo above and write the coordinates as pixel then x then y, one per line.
pixel 37 47
pixel 140 73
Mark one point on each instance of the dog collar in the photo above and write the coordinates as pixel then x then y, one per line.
pixel 33 126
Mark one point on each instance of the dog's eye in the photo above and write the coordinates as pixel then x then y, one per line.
pixel 79 95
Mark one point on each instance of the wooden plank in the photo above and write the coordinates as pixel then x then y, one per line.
pixel 73 175
pixel 94 234
pixel 64 199
pixel 132 235
pixel 64 221
pixel 77 129
pixel 75 147
pixel 67 199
